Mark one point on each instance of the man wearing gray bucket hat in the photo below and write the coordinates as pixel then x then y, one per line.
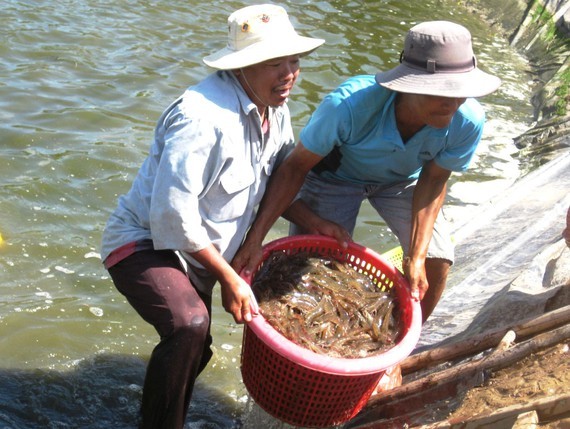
pixel 173 234
pixel 394 139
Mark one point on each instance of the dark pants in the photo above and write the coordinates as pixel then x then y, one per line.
pixel 157 287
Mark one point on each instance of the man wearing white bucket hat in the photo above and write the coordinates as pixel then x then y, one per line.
pixel 173 234
pixel 394 139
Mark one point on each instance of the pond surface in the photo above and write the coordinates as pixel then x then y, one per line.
pixel 82 83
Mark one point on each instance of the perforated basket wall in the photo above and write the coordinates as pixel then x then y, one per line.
pixel 301 393
pixel 297 395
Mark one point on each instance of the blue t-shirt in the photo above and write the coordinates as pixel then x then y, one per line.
pixel 358 118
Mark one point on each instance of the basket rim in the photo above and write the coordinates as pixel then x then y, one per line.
pixel 329 364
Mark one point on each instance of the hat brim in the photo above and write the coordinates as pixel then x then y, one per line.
pixel 228 59
pixel 475 83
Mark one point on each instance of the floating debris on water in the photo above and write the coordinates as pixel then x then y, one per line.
pixel 63 270
pixel 96 311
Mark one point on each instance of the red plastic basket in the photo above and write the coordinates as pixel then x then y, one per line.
pixel 307 389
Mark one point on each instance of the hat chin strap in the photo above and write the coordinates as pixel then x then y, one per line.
pixel 251 89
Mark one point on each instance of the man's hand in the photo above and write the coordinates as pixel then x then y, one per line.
pixel 239 301
pixel 310 223
pixel 248 258
pixel 334 230
pixel 237 296
pixel 415 272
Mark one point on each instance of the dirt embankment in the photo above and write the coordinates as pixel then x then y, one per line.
pixel 540 30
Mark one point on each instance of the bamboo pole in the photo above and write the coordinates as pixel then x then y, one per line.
pixel 484 341
pixel 497 360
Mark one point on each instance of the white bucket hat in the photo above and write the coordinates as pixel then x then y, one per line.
pixel 259 33
pixel 438 60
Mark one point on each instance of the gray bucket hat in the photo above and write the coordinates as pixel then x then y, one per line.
pixel 259 33
pixel 438 60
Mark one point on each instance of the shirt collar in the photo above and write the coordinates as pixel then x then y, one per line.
pixel 246 104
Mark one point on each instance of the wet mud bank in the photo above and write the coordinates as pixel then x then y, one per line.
pixel 539 30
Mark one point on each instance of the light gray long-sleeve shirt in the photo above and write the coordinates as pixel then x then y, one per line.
pixel 206 172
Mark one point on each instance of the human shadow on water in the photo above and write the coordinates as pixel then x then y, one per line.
pixel 100 392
